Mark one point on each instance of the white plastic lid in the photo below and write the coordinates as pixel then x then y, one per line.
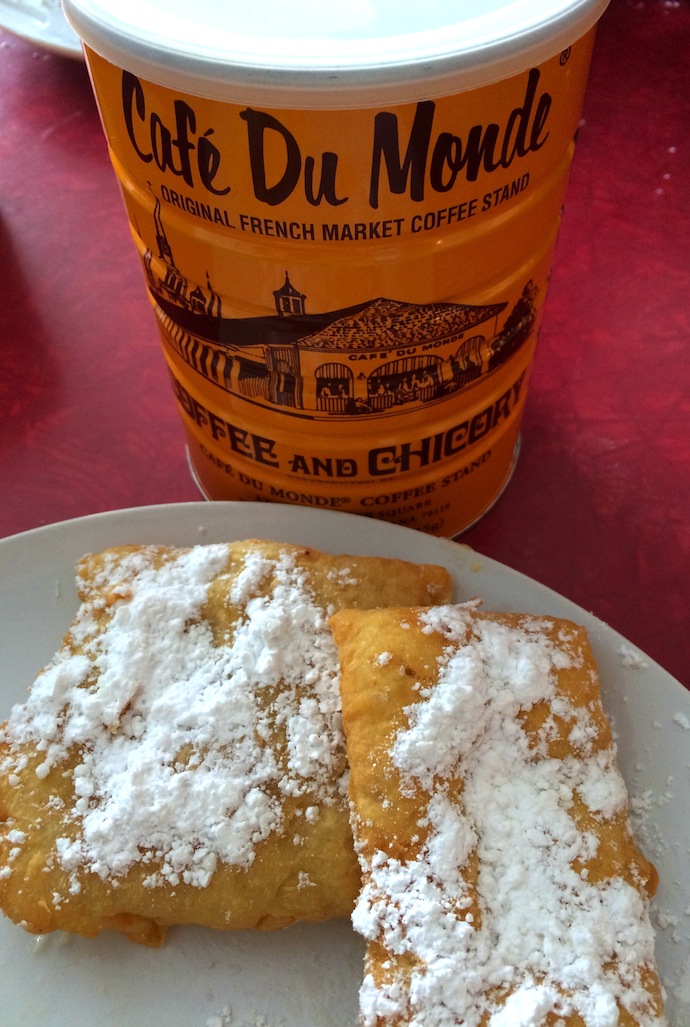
pixel 321 53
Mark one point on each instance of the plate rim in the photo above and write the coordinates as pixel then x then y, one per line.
pixel 19 20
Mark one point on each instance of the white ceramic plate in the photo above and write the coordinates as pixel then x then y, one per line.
pixel 307 976
pixel 41 22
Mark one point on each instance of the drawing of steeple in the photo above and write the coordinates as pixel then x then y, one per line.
pixel 164 248
pixel 174 282
pixel 288 300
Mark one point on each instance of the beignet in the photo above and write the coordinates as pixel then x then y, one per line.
pixel 181 759
pixel 502 885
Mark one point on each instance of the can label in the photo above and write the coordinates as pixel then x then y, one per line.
pixel 349 300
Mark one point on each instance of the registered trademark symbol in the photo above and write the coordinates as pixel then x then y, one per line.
pixel 565 55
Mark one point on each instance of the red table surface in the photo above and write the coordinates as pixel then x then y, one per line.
pixel 599 505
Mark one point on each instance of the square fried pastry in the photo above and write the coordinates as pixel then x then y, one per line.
pixel 502 885
pixel 181 758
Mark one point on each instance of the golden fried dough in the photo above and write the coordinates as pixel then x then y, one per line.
pixel 502 885
pixel 181 759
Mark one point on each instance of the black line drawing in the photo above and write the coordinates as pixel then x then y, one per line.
pixel 372 358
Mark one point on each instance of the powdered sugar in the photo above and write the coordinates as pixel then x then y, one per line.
pixel 631 658
pixel 556 942
pixel 174 731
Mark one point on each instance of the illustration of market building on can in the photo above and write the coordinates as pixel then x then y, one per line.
pixel 371 358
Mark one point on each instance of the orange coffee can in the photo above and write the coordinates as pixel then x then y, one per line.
pixel 346 217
